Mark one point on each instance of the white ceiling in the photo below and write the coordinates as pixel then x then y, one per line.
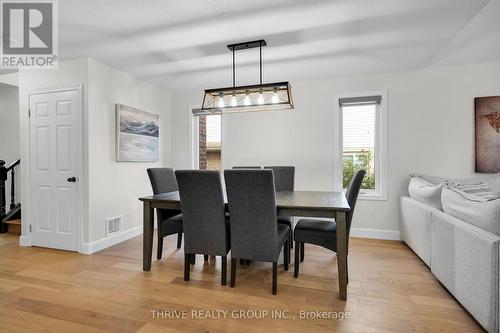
pixel 182 44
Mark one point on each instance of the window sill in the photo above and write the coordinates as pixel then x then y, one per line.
pixel 372 197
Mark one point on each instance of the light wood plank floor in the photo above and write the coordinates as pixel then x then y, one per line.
pixel 390 290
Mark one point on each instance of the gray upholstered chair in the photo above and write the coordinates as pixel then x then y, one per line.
pixel 284 180
pixel 240 167
pixel 324 233
pixel 255 233
pixel 169 220
pixel 206 226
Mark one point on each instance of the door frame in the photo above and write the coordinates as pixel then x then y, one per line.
pixel 194 147
pixel 26 162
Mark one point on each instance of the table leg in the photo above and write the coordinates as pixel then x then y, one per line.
pixel 342 254
pixel 147 236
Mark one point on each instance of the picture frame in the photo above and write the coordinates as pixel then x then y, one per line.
pixel 137 135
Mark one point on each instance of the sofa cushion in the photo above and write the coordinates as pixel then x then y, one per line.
pixel 474 192
pixel 425 192
pixel 492 179
pixel 484 214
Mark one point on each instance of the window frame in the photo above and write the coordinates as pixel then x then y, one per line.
pixel 380 193
pixel 194 153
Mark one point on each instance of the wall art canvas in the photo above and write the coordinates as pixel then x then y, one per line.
pixel 137 135
pixel 487 113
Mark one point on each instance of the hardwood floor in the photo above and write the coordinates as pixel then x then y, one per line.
pixel 390 290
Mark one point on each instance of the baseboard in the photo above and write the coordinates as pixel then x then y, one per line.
pixel 101 244
pixel 375 233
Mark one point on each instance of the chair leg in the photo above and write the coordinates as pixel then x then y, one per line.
pixel 347 271
pixel 179 240
pixel 302 252
pixel 233 272
pixel 159 248
pixel 296 263
pixel 286 254
pixel 193 259
pixel 223 278
pixel 291 239
pixel 275 277
pixel 205 257
pixel 187 263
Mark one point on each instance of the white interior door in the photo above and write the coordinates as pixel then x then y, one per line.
pixel 55 166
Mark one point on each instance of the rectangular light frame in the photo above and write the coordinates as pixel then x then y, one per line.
pixel 283 90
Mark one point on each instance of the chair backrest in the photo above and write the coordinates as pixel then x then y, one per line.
pixel 352 195
pixel 203 212
pixel 162 180
pixel 284 177
pixel 247 167
pixel 252 208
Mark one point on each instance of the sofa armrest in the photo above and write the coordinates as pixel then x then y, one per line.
pixel 415 227
pixel 465 259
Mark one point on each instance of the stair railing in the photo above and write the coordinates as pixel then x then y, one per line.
pixel 4 171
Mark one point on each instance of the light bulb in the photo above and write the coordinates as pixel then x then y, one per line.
pixel 275 98
pixel 234 101
pixel 247 99
pixel 260 100
pixel 221 101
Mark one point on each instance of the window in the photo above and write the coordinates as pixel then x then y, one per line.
pixel 362 143
pixel 207 142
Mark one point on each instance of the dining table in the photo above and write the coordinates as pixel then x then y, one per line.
pixel 321 204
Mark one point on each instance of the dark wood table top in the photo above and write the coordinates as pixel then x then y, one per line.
pixel 309 200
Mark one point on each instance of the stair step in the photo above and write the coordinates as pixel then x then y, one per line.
pixel 14 227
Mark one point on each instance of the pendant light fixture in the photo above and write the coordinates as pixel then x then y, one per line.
pixel 257 97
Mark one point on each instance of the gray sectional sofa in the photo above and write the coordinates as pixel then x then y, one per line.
pixel 459 242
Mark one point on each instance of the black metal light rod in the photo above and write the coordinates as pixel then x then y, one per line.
pixel 247 45
pixel 234 72
pixel 260 61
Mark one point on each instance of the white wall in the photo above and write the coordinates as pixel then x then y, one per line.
pixel 114 187
pixel 110 188
pixel 430 130
pixel 9 133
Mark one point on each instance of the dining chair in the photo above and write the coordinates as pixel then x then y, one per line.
pixel 239 167
pixel 255 233
pixel 322 232
pixel 284 179
pixel 206 226
pixel 169 220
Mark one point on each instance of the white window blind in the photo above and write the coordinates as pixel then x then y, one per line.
pixel 214 129
pixel 359 123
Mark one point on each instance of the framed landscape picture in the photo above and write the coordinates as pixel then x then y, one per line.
pixel 137 135
pixel 487 116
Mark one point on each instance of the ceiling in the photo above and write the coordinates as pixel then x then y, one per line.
pixel 182 44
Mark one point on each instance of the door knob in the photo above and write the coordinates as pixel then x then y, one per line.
pixel 71 179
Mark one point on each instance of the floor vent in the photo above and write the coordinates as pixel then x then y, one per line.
pixel 113 225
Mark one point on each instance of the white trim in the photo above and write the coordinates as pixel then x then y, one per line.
pixel 375 234
pixel 380 146
pixel 25 239
pixel 103 243
pixel 193 144
pixel 193 128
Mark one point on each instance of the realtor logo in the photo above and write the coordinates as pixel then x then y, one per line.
pixel 29 34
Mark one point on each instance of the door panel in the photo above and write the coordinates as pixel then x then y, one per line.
pixel 55 151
